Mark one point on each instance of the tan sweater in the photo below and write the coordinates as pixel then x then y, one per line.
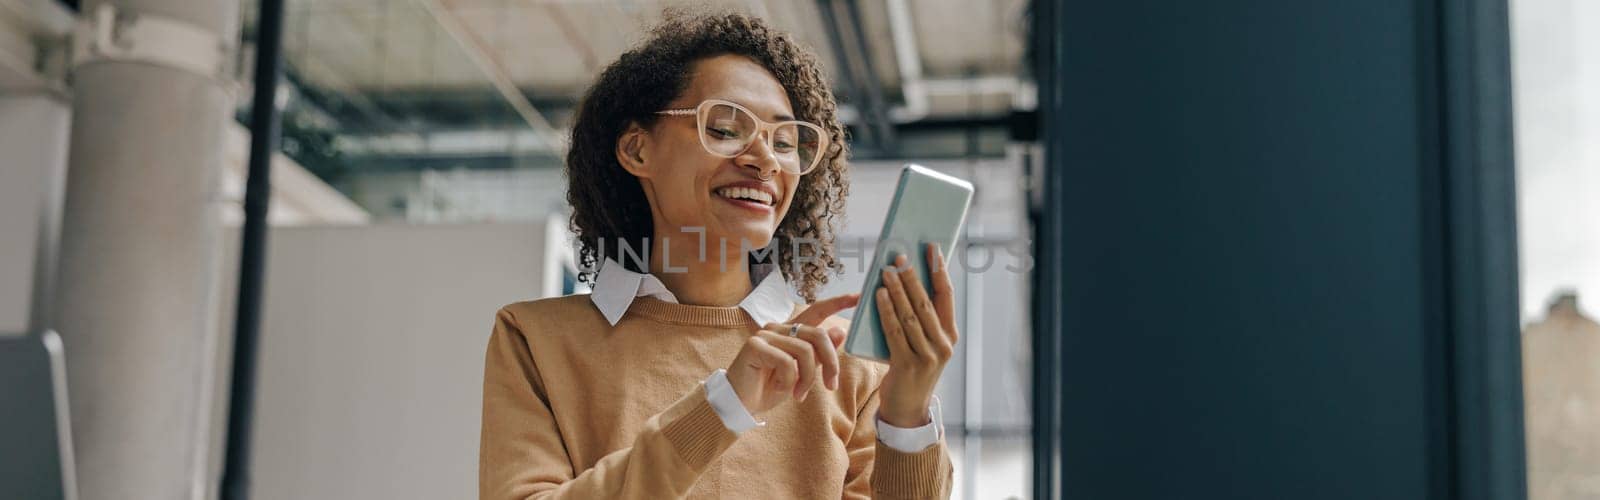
pixel 576 408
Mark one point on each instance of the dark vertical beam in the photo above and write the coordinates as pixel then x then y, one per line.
pixel 1479 213
pixel 1439 365
pixel 265 127
pixel 1044 217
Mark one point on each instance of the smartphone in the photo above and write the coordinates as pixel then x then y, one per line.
pixel 928 207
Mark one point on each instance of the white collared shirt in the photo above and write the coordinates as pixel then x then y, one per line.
pixel 615 287
pixel 770 301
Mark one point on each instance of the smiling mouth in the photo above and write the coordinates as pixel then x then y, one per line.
pixel 748 195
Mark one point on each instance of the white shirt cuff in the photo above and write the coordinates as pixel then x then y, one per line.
pixel 726 403
pixel 915 439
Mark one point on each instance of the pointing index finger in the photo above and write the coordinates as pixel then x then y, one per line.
pixel 820 310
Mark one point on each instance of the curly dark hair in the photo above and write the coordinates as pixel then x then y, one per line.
pixel 608 202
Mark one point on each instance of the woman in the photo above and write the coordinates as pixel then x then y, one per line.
pixel 707 174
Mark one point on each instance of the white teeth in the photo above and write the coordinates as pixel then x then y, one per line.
pixel 745 193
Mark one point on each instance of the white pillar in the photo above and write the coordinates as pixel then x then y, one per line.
pixel 138 260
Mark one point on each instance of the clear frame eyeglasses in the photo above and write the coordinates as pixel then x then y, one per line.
pixel 728 129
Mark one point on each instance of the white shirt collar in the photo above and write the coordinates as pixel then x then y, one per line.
pixel 615 287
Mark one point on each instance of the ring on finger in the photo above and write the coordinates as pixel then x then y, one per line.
pixel 794 330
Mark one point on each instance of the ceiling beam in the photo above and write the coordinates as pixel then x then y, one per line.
pixel 491 67
pixel 574 38
pixel 849 45
pixel 877 105
pixel 908 61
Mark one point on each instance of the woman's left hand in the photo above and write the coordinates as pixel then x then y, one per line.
pixel 921 332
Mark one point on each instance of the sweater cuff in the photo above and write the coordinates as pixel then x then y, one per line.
pixel 897 474
pixel 695 430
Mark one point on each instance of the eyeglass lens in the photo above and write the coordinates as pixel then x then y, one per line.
pixel 729 130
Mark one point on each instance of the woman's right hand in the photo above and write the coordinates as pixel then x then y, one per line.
pixel 773 367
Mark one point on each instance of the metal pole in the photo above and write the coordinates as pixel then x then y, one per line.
pixel 1046 278
pixel 264 130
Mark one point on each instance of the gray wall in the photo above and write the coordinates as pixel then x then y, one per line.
pixel 371 356
pixel 33 146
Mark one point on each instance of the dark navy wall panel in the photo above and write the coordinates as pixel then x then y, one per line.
pixel 1243 271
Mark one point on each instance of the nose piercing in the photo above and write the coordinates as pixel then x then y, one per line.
pixel 767 176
